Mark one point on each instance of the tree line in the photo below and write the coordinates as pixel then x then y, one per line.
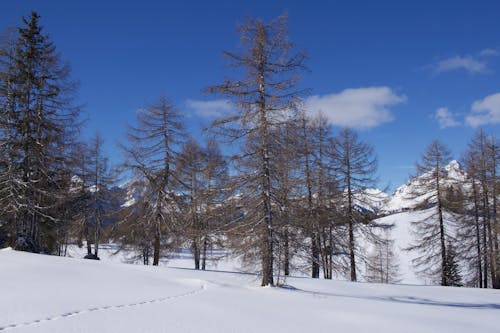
pixel 294 196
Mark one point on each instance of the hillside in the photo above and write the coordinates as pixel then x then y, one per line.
pixel 54 294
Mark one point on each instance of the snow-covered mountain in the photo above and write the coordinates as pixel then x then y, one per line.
pixel 402 199
pixel 372 199
pixel 132 190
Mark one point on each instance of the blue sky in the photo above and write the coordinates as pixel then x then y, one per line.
pixel 403 73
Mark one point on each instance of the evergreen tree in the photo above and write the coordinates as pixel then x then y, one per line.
pixel 453 274
pixel 38 124
pixel 10 187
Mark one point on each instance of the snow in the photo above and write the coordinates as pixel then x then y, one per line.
pixel 371 199
pixel 54 294
pixel 402 198
pixel 401 233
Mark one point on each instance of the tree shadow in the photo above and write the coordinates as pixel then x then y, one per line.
pixel 401 299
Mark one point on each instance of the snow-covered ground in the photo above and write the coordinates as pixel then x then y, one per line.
pixel 401 233
pixel 53 294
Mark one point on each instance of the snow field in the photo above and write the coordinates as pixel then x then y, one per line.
pixel 53 294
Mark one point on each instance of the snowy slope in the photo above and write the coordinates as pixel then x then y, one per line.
pixel 401 233
pixel 54 294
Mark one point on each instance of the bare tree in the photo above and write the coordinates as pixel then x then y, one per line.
pixel 383 264
pixel 215 178
pixel 482 163
pixel 470 227
pixel 191 164
pixel 100 205
pixel 431 233
pixel 355 164
pixel 264 97
pixel 151 155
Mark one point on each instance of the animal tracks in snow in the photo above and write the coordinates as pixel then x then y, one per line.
pixel 101 308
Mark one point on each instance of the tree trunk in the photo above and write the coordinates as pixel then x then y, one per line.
pixel 496 252
pixel 443 248
pixel 350 208
pixel 196 254
pixel 442 240
pixel 351 251
pixel 268 256
pixel 204 254
pixel 315 255
pixel 485 254
pixel 87 240
pixel 478 234
pixel 156 247
pixel 286 268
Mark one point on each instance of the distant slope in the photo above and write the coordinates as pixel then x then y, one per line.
pixel 401 233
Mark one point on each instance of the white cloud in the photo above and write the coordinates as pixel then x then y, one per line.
pixel 209 109
pixel 489 53
pixel 467 63
pixel 359 108
pixel 485 111
pixel 445 118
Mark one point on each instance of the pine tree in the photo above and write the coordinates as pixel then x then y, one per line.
pixel 453 274
pixel 38 124
pixel 264 96
pixel 10 187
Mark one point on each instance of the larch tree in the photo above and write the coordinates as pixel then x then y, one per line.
pixel 80 197
pixel 383 263
pixel 264 96
pixel 101 180
pixel 482 165
pixel 191 164
pixel 318 216
pixel 471 227
pixel 355 165
pixel 151 155
pixel 493 152
pixel 203 176
pixel 431 233
pixel 215 177
pixel 307 145
pixel 286 182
